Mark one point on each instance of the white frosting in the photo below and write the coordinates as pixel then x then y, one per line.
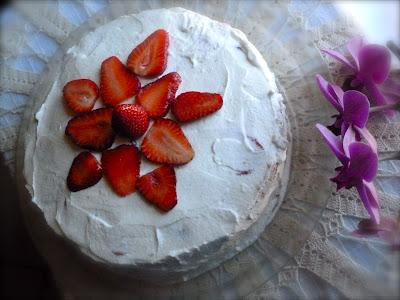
pixel 224 194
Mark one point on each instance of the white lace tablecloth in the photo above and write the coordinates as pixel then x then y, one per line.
pixel 331 262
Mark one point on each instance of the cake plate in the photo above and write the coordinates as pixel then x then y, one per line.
pixel 292 56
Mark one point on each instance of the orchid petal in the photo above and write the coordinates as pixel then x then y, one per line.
pixel 333 142
pixel 363 162
pixel 369 138
pixel 340 57
pixel 344 128
pixel 367 227
pixel 391 86
pixel 337 92
pixel 354 46
pixel 330 92
pixel 374 63
pixel 388 229
pixel 381 98
pixel 369 197
pixel 349 137
pixel 372 193
pixel 388 224
pixel 355 108
pixel 376 95
pixel 391 90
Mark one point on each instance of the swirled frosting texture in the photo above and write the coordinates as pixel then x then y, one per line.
pixel 224 194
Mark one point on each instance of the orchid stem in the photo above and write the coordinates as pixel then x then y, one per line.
pixel 384 107
pixel 389 156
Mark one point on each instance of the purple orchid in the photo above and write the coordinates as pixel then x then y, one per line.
pixel 360 165
pixel 353 108
pixel 370 67
pixel 360 172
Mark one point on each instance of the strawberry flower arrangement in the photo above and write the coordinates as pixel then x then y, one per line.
pixel 367 89
pixel 164 142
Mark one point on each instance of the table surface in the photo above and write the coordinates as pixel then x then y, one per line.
pixel 24 267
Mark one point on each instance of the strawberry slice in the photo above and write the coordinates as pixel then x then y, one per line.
pixel 149 58
pixel 80 95
pixel 191 106
pixel 130 120
pixel 92 130
pixel 117 83
pixel 157 96
pixel 159 187
pixel 167 144
pixel 85 171
pixel 121 168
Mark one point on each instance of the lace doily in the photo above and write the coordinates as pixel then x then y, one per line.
pixel 308 251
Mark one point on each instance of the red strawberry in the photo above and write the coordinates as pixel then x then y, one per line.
pixel 117 83
pixel 195 105
pixel 80 95
pixel 92 130
pixel 121 168
pixel 159 187
pixel 166 143
pixel 156 96
pixel 85 171
pixel 149 58
pixel 130 120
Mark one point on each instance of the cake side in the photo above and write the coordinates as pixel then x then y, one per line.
pixel 225 196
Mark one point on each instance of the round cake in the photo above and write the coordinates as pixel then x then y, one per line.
pixel 226 195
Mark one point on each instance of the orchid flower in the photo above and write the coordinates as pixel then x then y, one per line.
pixel 360 165
pixel 360 172
pixel 370 68
pixel 353 108
pixel 388 229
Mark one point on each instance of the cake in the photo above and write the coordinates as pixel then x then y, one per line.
pixel 228 192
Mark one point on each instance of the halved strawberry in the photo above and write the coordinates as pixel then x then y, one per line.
pixel 80 95
pixel 92 130
pixel 121 168
pixel 159 187
pixel 85 171
pixel 191 106
pixel 130 120
pixel 117 83
pixel 166 143
pixel 149 58
pixel 157 96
